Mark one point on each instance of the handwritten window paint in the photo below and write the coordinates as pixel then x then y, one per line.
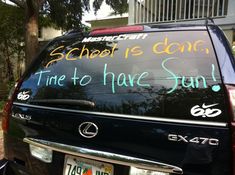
pixel 123 80
pixel 156 74
pixel 193 82
pixel 83 52
pixel 165 47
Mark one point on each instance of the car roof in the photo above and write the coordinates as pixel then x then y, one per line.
pixel 146 28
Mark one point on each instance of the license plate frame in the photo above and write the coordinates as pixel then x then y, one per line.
pixel 74 165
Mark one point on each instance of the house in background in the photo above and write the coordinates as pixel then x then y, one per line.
pixel 183 12
pixel 48 33
pixel 112 21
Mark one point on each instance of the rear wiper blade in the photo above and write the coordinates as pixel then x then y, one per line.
pixel 65 102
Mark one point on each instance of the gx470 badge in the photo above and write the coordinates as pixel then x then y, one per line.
pixel 195 140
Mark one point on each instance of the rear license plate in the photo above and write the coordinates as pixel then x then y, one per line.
pixel 81 166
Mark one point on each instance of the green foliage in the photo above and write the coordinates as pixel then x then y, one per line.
pixel 45 21
pixel 119 7
pixel 11 37
pixel 12 21
pixel 2 104
pixel 66 14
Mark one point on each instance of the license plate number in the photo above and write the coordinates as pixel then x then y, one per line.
pixel 81 166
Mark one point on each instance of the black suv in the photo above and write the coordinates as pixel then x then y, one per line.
pixel 134 100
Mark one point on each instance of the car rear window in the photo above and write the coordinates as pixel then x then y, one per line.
pixel 158 74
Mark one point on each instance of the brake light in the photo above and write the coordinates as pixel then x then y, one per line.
pixel 117 30
pixel 231 95
pixel 7 108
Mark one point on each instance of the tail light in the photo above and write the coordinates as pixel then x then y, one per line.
pixel 231 95
pixel 7 108
pixel 117 30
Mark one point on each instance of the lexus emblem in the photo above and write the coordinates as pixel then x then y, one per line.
pixel 88 129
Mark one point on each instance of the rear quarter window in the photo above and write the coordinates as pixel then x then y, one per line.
pixel 156 74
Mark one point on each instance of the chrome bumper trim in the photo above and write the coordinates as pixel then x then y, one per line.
pixel 105 156
pixel 125 116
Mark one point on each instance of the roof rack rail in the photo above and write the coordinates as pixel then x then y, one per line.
pixel 209 20
pixel 73 31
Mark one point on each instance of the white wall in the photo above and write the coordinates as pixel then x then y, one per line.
pixel 48 33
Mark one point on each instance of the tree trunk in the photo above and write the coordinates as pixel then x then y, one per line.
pixel 19 64
pixel 31 33
pixel 9 67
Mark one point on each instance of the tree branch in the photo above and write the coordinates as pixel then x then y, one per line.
pixel 19 3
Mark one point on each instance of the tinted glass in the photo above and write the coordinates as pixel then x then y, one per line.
pixel 159 74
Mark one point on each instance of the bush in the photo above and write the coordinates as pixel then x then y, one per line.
pixel 2 102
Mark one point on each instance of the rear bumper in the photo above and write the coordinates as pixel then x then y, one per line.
pixel 105 156
pixel 20 161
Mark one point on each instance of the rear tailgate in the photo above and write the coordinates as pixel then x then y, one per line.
pixel 136 99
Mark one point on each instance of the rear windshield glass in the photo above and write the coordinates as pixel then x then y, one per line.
pixel 159 74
